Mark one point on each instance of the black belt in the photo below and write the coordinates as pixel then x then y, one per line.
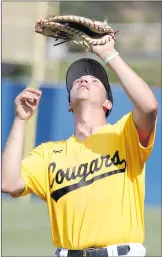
pixel 98 252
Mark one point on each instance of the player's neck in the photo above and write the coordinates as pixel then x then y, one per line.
pixel 87 122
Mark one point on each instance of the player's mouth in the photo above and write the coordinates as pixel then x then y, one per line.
pixel 83 86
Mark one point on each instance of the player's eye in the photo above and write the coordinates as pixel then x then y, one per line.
pixel 95 81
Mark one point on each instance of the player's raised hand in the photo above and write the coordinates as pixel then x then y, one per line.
pixel 26 103
pixel 104 50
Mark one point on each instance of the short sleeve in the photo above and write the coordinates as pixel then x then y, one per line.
pixel 33 172
pixel 135 150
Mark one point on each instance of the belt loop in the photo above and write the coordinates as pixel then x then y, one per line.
pixel 65 252
pixel 114 251
pixel 110 251
pixel 84 253
pixel 60 252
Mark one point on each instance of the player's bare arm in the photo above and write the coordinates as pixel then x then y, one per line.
pixel 77 176
pixel 145 104
pixel 25 105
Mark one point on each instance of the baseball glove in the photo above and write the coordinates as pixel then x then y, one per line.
pixel 80 30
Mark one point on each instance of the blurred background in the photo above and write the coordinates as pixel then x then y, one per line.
pixel 29 59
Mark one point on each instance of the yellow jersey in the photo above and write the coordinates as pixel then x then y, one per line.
pixel 94 189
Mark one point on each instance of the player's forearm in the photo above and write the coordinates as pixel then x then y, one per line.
pixel 135 87
pixel 12 156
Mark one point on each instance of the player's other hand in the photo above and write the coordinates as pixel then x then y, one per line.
pixel 26 103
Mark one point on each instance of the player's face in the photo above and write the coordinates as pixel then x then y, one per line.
pixel 88 88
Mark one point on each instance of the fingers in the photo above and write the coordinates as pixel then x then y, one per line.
pixel 30 96
pixel 33 90
pixel 27 96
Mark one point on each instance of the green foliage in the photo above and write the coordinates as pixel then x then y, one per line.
pixel 149 70
pixel 15 71
pixel 116 11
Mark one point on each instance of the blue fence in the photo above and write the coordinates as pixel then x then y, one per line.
pixel 54 122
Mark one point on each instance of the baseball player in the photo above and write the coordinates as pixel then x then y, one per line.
pixel 93 182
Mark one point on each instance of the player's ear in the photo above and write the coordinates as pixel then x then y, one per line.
pixel 107 105
pixel 70 108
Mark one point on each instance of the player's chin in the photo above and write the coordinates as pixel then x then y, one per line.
pixel 79 98
pixel 82 98
pixel 84 93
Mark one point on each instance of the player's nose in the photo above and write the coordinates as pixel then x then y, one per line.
pixel 83 81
